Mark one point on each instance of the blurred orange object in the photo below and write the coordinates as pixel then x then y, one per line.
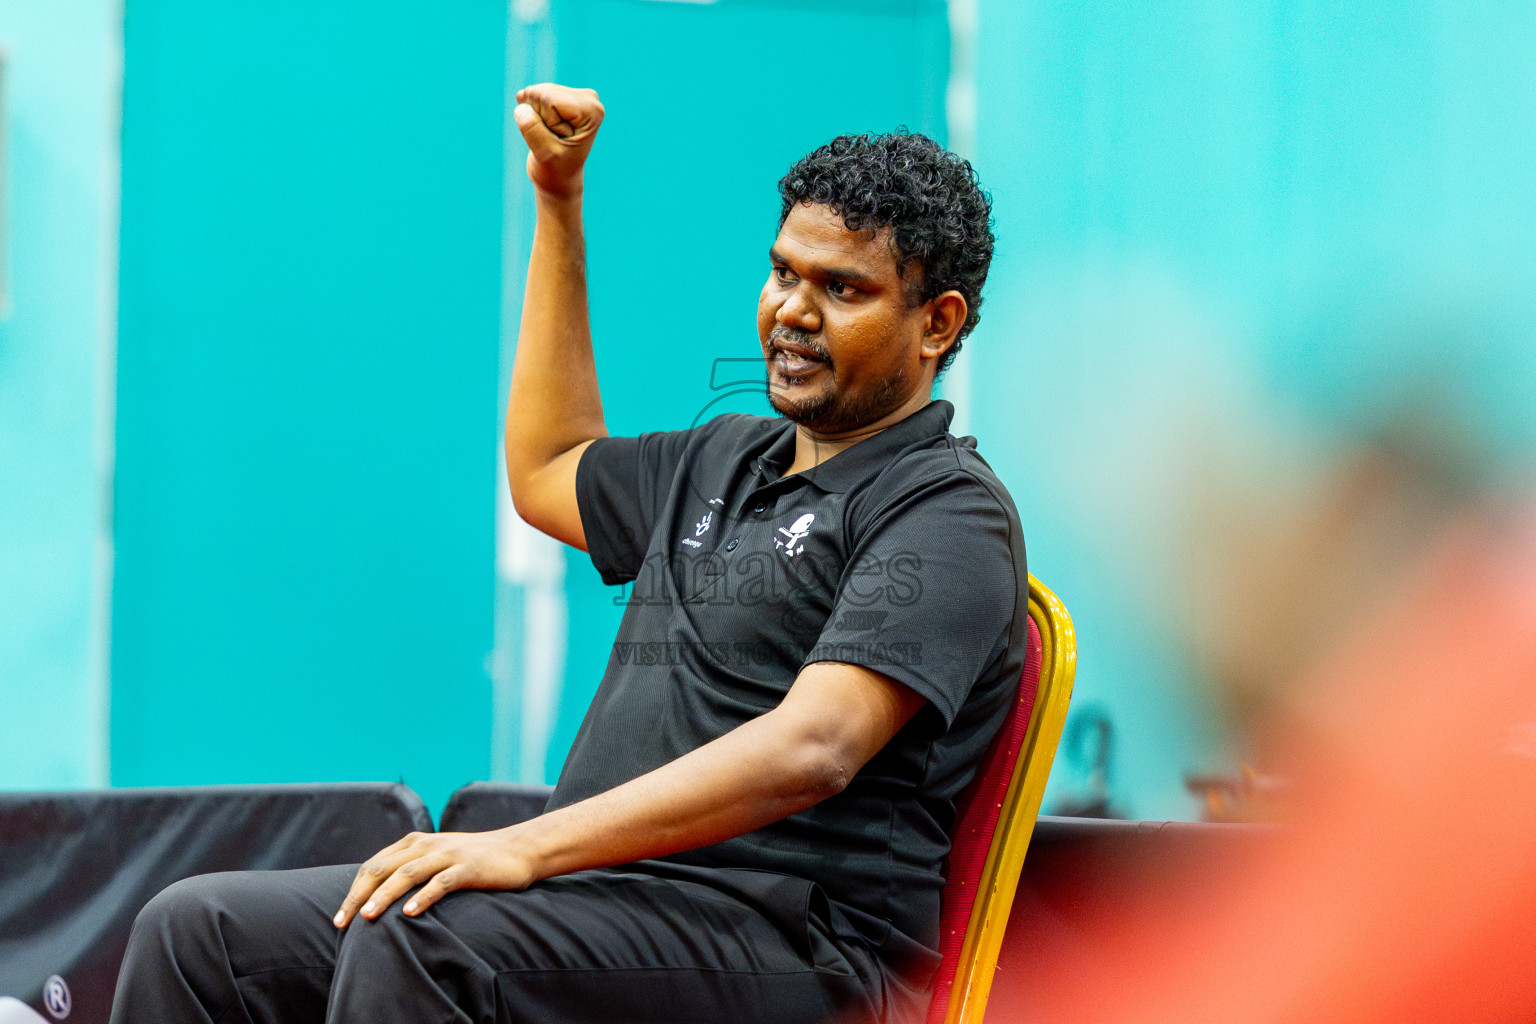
pixel 1404 890
pixel 1251 796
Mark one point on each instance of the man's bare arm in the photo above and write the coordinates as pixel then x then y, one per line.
pixel 554 409
pixel 833 720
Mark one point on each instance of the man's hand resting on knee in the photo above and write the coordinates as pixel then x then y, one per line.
pixel 833 720
pixel 451 860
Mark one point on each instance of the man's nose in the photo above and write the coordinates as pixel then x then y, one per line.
pixel 799 312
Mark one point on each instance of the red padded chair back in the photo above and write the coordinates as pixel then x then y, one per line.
pixel 976 814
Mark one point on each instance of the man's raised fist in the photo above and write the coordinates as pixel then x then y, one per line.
pixel 559 124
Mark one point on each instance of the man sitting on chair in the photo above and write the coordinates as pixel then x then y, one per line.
pixel 826 627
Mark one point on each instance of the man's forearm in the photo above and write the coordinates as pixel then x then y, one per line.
pixel 554 403
pixel 754 775
pixel 833 720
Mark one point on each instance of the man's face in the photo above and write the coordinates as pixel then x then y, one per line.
pixel 842 344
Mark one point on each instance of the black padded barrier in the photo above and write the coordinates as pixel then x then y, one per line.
pixel 75 869
pixel 484 806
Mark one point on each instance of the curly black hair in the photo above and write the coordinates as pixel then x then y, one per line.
pixel 940 219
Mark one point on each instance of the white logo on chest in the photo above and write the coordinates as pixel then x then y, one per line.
pixel 701 527
pixel 793 541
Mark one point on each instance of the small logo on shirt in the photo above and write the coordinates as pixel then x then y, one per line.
pixel 702 527
pixel 861 620
pixel 793 541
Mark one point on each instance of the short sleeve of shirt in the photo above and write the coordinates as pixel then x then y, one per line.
pixel 928 597
pixel 621 487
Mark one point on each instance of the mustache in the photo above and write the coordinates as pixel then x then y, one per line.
pixel 800 338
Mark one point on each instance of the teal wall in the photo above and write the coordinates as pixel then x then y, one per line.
pixel 1228 233
pixel 59 180
pixel 1224 221
pixel 306 434
pixel 707 106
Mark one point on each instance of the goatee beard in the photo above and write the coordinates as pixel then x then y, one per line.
pixel 827 412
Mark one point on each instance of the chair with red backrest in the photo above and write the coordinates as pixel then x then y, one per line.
pixel 995 816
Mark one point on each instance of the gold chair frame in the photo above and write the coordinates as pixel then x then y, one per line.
pixel 1016 822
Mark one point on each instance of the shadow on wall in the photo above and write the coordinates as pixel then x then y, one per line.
pixel 1216 535
pixel 1287 554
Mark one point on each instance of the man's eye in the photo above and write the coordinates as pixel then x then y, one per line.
pixel 783 275
pixel 838 288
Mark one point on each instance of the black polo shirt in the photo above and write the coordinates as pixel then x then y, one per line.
pixel 902 553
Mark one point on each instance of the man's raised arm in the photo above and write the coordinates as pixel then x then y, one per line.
pixel 554 410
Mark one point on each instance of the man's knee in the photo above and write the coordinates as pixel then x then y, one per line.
pixel 179 906
pixel 184 914
pixel 410 968
pixel 392 936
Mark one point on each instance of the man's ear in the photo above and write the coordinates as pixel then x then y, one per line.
pixel 946 315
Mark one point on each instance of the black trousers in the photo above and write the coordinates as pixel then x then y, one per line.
pixel 659 943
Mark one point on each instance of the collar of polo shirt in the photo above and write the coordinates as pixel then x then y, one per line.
pixel 849 466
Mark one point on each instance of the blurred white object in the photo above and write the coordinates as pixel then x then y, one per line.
pixel 14 1011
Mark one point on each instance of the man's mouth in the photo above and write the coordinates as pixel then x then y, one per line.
pixel 793 358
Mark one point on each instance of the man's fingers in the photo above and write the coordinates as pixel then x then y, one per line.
pixel 528 122
pixel 560 121
pixel 372 873
pixel 404 878
pixel 566 113
pixel 541 141
pixel 369 877
pixel 574 114
pixel 538 98
pixel 557 119
pixel 442 883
